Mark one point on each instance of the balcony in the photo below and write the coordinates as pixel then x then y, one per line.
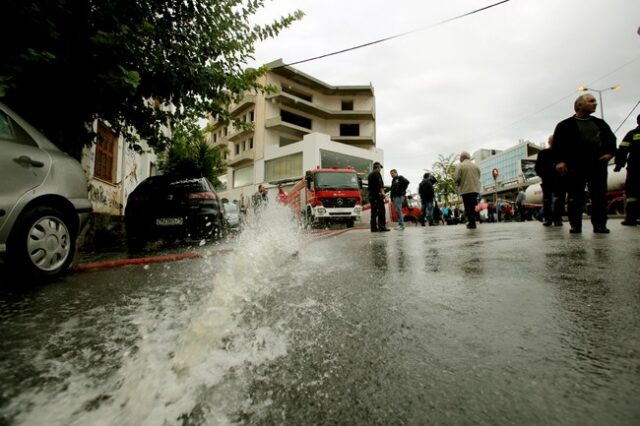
pixel 276 123
pixel 247 102
pixel 245 157
pixel 239 134
pixel 317 110
pixel 355 140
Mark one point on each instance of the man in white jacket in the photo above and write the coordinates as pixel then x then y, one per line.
pixel 467 178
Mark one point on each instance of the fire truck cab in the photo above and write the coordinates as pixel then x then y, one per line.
pixel 326 196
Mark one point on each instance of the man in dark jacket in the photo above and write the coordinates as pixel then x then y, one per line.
pixel 376 198
pixel 583 145
pixel 425 189
pixel 399 185
pixel 553 193
pixel 629 153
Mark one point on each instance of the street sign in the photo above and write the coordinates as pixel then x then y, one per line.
pixel 495 173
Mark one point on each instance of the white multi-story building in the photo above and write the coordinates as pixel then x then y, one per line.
pixel 306 124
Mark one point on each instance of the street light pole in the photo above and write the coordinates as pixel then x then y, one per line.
pixel 584 89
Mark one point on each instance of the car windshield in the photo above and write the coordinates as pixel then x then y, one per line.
pixel 337 180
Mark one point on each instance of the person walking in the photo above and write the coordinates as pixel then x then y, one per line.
pixel 467 178
pixel 583 146
pixel 399 185
pixel 553 194
pixel 520 199
pixel 629 154
pixel 260 198
pixel 426 191
pixel 376 198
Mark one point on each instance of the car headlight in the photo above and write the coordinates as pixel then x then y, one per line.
pixel 321 210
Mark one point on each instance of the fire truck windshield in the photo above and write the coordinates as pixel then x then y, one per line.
pixel 336 180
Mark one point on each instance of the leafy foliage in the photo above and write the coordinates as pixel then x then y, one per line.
pixel 143 66
pixel 444 170
pixel 190 155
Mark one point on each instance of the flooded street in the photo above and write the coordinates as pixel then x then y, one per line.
pixel 507 324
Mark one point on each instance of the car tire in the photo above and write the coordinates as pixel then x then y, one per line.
pixel 42 243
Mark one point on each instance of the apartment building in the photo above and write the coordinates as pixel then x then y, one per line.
pixel 306 124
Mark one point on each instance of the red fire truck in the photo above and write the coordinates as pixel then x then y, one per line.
pixel 326 196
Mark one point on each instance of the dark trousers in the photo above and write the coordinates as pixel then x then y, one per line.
pixel 470 201
pixel 631 193
pixel 595 178
pixel 553 201
pixel 378 217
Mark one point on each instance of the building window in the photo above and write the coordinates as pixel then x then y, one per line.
pixel 283 167
pixel 287 141
pixel 349 130
pixel 347 105
pixel 295 119
pixel 330 159
pixel 237 148
pixel 105 153
pixel 243 177
pixel 251 143
pixel 252 116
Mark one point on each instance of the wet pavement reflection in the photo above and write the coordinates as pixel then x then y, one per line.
pixel 508 324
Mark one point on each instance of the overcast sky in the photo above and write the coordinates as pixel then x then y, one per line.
pixel 483 81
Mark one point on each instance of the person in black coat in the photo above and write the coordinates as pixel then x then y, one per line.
pixel 376 198
pixel 426 191
pixel 553 192
pixel 629 154
pixel 583 146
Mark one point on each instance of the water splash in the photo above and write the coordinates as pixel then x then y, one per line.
pixel 187 362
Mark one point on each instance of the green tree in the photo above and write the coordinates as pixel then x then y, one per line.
pixel 190 155
pixel 444 170
pixel 144 66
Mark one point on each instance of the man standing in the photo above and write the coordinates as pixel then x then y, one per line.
pixel 467 177
pixel 376 198
pixel 399 185
pixel 582 146
pixel 425 189
pixel 520 199
pixel 553 194
pixel 629 153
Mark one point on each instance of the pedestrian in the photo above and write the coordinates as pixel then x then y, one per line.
pixel 520 199
pixel 260 198
pixel 399 185
pixel 283 197
pixel 553 192
pixel 376 198
pixel 629 153
pixel 583 146
pixel 426 191
pixel 467 178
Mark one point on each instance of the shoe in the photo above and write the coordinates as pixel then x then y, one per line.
pixel 548 223
pixel 575 230
pixel 384 230
pixel 471 226
pixel 374 230
pixel 601 230
pixel 628 223
pixel 557 223
pixel 399 228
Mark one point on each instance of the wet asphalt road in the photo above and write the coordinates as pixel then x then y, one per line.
pixel 507 324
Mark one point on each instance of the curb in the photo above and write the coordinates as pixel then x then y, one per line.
pixel 119 263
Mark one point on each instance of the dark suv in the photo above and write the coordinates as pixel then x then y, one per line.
pixel 170 207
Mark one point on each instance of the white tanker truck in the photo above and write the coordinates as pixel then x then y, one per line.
pixel 615 192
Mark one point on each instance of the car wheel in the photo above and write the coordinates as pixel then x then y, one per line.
pixel 42 242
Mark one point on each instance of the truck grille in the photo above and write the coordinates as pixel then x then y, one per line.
pixel 338 202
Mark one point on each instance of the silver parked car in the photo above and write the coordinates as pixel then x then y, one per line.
pixel 43 200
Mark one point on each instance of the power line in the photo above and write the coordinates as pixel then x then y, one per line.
pixel 627 117
pixel 395 36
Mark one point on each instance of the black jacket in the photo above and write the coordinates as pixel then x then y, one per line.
pixel 546 165
pixel 425 189
pixel 569 148
pixel 374 183
pixel 399 185
pixel 630 146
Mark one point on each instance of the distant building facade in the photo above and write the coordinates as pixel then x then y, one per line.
pixel 508 162
pixel 306 124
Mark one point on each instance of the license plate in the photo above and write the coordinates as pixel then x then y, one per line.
pixel 168 221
